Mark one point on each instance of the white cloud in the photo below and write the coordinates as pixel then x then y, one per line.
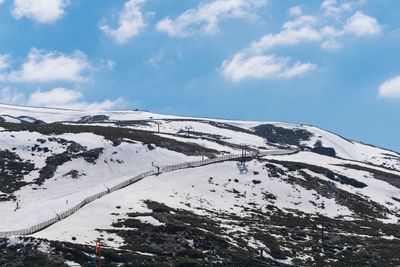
pixel 253 63
pixel 11 96
pixel 44 66
pixel 107 64
pixel 257 62
pixel 390 88
pixel 362 25
pixel 71 99
pixel 55 97
pixel 242 66
pixel 302 29
pixel 335 8
pixel 298 69
pixel 42 11
pixel 295 11
pixel 1 1
pixel 156 58
pixel 207 16
pixel 59 98
pixel 332 7
pixel 331 45
pixel 4 62
pixel 295 31
pixel 130 24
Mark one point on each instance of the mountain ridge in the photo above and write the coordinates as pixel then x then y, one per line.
pixel 249 212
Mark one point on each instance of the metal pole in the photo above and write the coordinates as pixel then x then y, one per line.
pixel 98 254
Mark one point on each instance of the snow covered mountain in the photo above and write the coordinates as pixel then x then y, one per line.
pixel 326 201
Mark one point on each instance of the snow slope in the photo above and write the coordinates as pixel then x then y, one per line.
pixel 192 190
pixel 51 159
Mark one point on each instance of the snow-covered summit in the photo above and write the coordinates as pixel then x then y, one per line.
pixel 252 133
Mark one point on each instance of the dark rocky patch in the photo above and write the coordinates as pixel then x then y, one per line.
pixel 292 166
pixel 30 120
pixel 74 174
pixel 188 239
pixel 27 254
pixel 326 151
pixel 150 147
pixel 221 125
pixel 274 170
pixel 12 171
pixel 228 126
pixel 133 123
pixel 116 135
pixel 329 242
pixel 396 199
pixel 281 135
pixel 361 206
pixel 93 119
pixel 73 151
pixel 390 178
pixel 285 235
pixel 212 137
pixel 170 241
pixel 269 196
pixel 320 149
pixel 203 135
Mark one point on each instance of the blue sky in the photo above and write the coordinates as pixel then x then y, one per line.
pixel 329 63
